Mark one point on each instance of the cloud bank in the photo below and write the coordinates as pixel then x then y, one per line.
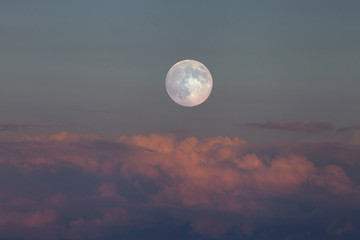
pixel 68 186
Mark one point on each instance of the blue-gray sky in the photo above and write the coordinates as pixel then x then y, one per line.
pixel 273 153
pixel 100 66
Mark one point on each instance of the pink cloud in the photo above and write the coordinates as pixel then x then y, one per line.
pixel 335 180
pixel 40 218
pixel 215 183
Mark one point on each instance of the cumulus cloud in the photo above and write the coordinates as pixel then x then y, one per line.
pixel 69 186
pixel 294 126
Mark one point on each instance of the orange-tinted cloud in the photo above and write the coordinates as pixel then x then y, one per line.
pixel 82 185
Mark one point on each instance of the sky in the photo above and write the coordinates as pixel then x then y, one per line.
pixel 92 147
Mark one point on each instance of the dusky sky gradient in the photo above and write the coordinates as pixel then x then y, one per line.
pixel 101 66
pixel 92 146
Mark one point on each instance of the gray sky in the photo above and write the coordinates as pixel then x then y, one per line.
pixel 100 66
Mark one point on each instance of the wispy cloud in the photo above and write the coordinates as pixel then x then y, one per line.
pixel 349 128
pixel 14 127
pixel 293 126
pixel 69 186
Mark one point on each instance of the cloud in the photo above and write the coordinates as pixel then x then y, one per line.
pixel 71 186
pixel 294 126
pixel 16 127
pixel 349 128
pixel 355 139
pixel 63 136
pixel 11 127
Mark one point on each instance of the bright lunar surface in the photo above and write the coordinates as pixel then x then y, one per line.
pixel 189 83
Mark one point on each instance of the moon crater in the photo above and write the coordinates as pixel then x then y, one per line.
pixel 189 83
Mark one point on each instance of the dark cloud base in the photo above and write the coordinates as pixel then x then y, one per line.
pixel 68 186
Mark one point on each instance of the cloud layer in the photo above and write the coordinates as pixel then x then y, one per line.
pixel 68 186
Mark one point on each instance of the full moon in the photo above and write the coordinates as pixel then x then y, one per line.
pixel 189 83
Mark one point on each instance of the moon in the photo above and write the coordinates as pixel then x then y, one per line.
pixel 189 83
